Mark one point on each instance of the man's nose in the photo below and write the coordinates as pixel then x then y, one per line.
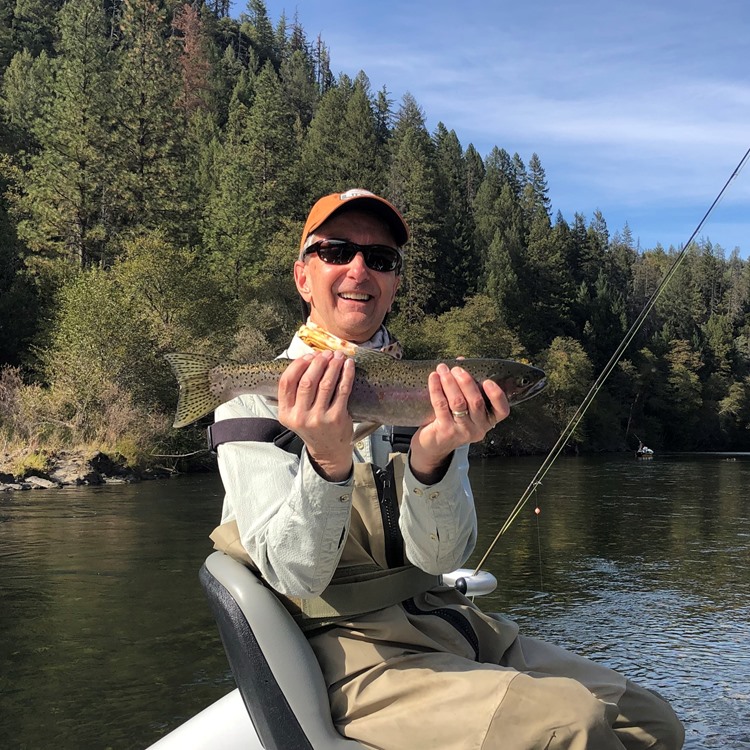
pixel 357 265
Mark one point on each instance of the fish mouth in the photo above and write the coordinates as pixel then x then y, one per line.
pixel 530 392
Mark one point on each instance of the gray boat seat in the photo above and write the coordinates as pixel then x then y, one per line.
pixel 275 669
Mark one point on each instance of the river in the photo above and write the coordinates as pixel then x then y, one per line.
pixel 106 641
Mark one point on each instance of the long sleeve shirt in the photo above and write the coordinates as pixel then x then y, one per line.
pixel 293 522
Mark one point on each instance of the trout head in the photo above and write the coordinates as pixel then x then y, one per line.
pixel 519 382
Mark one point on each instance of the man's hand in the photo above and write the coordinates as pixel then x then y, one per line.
pixel 460 417
pixel 313 399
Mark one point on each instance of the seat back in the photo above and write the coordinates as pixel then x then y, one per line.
pixel 273 665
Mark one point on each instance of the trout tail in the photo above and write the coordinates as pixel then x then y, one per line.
pixel 195 399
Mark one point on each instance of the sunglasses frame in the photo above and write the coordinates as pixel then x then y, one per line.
pixel 342 245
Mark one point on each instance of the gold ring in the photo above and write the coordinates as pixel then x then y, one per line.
pixel 459 414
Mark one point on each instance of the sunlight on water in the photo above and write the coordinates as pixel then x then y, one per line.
pixel 644 568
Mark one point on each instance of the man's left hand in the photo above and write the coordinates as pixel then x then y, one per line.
pixel 461 417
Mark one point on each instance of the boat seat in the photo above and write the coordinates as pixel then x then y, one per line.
pixel 275 669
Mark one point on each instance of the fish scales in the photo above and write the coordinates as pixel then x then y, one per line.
pixel 385 390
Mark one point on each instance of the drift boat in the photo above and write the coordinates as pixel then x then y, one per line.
pixel 281 701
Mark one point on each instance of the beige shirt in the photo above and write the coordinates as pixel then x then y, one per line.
pixel 293 523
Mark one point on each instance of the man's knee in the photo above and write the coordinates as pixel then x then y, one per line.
pixel 554 713
pixel 647 720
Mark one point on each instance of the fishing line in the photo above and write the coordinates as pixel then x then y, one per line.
pixel 599 382
pixel 538 512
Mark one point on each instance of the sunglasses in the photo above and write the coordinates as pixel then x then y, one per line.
pixel 340 252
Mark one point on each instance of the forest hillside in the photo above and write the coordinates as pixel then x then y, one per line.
pixel 157 159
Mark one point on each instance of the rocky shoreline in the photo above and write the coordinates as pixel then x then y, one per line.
pixel 73 469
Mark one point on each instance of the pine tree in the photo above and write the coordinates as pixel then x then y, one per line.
pixel 149 129
pixel 261 34
pixel 67 199
pixel 27 90
pixel 254 190
pixel 362 157
pixel 458 270
pixel 474 173
pixel 297 78
pixel 32 26
pixel 196 63
pixel 412 186
pixel 321 162
pixel 383 116
pixel 536 192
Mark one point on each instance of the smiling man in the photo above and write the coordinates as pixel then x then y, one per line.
pixel 409 663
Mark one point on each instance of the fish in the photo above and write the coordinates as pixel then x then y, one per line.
pixel 385 390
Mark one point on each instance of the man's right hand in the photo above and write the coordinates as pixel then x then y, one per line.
pixel 313 402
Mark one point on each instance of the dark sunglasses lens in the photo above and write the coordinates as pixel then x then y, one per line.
pixel 381 258
pixel 377 257
pixel 337 255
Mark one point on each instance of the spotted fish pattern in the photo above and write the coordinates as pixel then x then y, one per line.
pixel 385 390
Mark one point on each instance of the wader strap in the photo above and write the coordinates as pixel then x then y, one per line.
pixel 259 429
pixel 355 593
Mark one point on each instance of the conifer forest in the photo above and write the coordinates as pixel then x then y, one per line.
pixel 157 161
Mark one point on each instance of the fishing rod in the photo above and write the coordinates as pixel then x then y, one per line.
pixel 599 382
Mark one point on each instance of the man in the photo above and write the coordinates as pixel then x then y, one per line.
pixel 409 663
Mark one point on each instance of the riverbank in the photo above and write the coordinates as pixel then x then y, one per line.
pixel 57 469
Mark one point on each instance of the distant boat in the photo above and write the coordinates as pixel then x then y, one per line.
pixel 643 451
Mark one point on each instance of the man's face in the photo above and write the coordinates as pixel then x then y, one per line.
pixel 349 301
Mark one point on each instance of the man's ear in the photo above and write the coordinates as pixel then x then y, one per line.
pixel 395 289
pixel 301 280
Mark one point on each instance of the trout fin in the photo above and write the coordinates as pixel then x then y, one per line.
pixel 195 399
pixel 363 430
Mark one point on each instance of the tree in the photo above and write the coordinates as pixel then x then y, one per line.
pixel 322 165
pixel 569 377
pixel 196 66
pixel 147 157
pixel 457 274
pixel 254 191
pixel 66 200
pixel 297 79
pixel 361 154
pixel 412 186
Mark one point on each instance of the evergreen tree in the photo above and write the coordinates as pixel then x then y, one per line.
pixel 297 78
pixel 457 272
pixel 27 89
pixel 536 192
pixel 147 155
pixel 474 173
pixel 412 186
pixel 257 27
pixel 383 116
pixel 254 191
pixel 32 27
pixel 362 157
pixel 196 62
pixel 271 154
pixel 321 161
pixel 66 202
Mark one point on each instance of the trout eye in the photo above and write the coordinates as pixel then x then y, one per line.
pixel 525 380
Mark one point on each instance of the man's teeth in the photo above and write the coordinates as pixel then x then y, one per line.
pixel 355 296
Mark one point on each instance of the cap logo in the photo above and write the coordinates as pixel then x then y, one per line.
pixel 356 193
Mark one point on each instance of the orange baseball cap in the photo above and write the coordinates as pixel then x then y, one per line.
pixel 364 200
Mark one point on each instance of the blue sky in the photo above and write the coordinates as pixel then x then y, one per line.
pixel 640 109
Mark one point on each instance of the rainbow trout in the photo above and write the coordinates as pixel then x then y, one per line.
pixel 385 390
